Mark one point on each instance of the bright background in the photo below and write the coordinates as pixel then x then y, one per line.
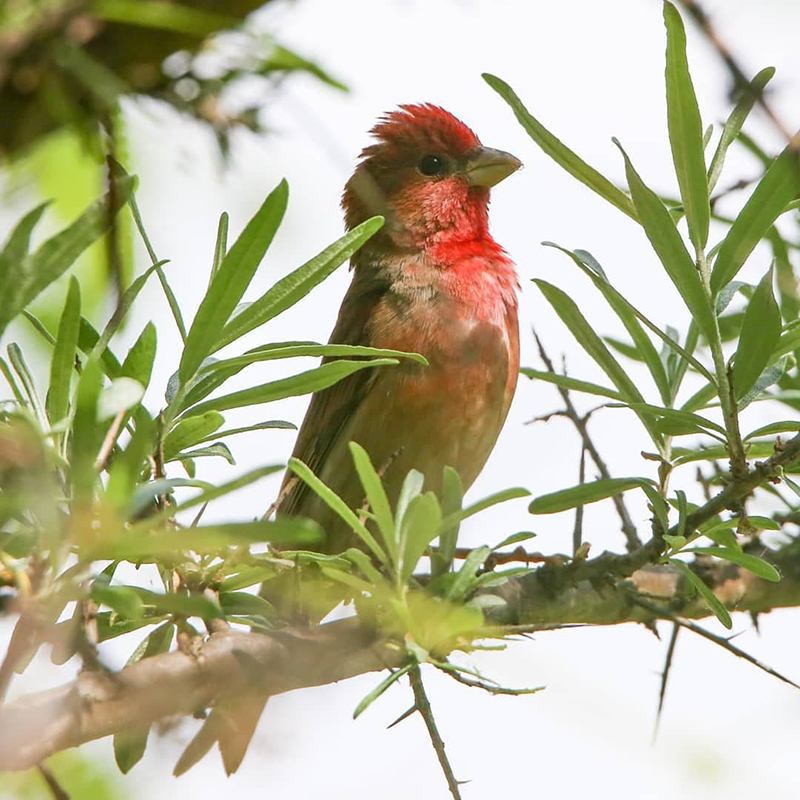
pixel 588 71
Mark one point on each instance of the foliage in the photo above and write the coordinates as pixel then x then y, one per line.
pixel 89 475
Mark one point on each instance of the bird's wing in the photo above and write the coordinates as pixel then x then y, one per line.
pixel 332 408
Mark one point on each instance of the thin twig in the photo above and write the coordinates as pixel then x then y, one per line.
pixel 577 531
pixel 290 484
pixel 721 641
pixel 458 675
pixel 108 442
pixel 519 555
pixel 424 708
pixel 628 528
pixel 52 783
pixel 676 628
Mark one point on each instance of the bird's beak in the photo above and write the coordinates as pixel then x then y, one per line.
pixel 488 167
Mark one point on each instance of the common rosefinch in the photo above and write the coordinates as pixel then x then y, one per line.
pixel 431 281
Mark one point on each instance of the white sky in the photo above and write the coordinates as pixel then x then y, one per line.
pixel 588 71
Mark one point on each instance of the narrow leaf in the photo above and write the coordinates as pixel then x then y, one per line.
pixel 761 331
pixel 565 382
pixel 231 280
pixel 376 496
pixel 62 362
pixel 296 285
pixel 713 602
pixel 686 131
pixel 778 187
pixel 750 562
pixel 583 494
pixel 559 152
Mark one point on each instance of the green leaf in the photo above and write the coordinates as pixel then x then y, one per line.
pixel 419 528
pixel 565 382
pixel 686 131
pixel 245 604
pixel 756 565
pixel 138 363
pixel 87 340
pixel 22 279
pixel 121 395
pixel 218 449
pixel 761 331
pixel 20 365
pixel 18 244
pixel 130 745
pixel 683 421
pixel 122 599
pixel 778 187
pixel 296 285
pixel 658 504
pixel 559 152
pixel 245 577
pixel 376 496
pixel 583 494
pixel 210 493
pixel 188 605
pixel 221 246
pixel 270 424
pixel 62 362
pixel 231 280
pixel 86 434
pixel 465 577
pixel 627 315
pixel 744 106
pixel 214 373
pixel 570 315
pixel 137 545
pixel 335 503
pixel 713 602
pixel 380 689
pixel 784 426
pixel 190 431
pixel 313 380
pixel 502 496
pixel 452 500
pixel 126 467
pixel 669 247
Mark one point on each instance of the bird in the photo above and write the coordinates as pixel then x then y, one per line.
pixel 432 281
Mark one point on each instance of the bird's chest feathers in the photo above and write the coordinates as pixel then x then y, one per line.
pixel 464 323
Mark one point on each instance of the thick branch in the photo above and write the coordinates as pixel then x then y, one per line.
pixel 596 591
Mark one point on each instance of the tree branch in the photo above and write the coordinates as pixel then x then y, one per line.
pixel 596 591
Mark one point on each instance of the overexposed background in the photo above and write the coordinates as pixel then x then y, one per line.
pixel 588 71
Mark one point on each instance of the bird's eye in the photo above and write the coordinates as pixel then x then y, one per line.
pixel 431 165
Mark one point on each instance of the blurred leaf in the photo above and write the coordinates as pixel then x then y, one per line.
pixel 126 467
pixel 561 154
pixel 307 382
pixel 164 16
pixel 191 430
pixel 465 577
pixel 376 496
pixel 296 285
pixel 231 280
pixel 189 605
pixel 62 362
pixel 669 247
pixel 761 330
pixel 452 500
pixel 735 121
pixel 571 316
pixel 686 131
pixel 780 185
pixel 130 745
pixel 146 494
pixel 87 340
pixel 583 494
pixel 245 577
pixel 121 395
pixel 87 435
pixel 210 493
pixel 22 280
pixel 20 366
pixel 124 600
pixel 335 503
pixel 420 526
pixel 683 420
pixel 713 602
pixel 244 604
pixel 270 424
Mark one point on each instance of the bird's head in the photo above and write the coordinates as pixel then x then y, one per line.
pixel 429 175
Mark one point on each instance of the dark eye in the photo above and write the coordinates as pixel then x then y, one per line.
pixel 431 165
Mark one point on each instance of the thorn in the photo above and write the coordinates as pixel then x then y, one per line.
pixel 405 715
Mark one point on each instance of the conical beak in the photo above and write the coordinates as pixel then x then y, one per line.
pixel 488 167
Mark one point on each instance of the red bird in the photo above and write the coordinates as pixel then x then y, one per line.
pixel 431 281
